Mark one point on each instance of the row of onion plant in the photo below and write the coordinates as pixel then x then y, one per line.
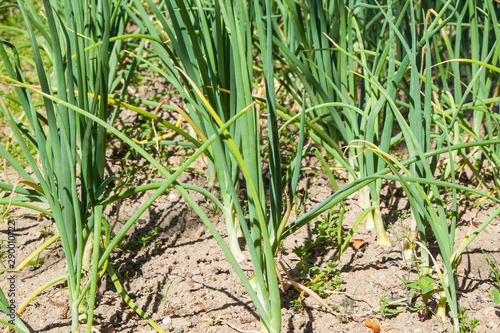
pixel 353 59
pixel 63 139
pixel 339 64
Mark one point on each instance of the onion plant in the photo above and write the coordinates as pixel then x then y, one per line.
pixel 370 93
pixel 208 57
pixel 65 132
pixel 314 46
pixel 435 107
pixel 321 32
pixel 69 176
pixel 209 46
pixel 475 40
pixel 353 108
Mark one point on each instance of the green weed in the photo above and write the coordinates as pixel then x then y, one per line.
pixel 423 289
pixel 389 309
pixel 466 325
pixel 325 237
pixel 495 270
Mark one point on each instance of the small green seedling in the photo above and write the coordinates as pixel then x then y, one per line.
pixel 389 309
pixel 495 269
pixel 327 232
pixel 142 240
pixel 422 287
pixel 466 325
pixel 146 239
pixel 37 262
pixel 214 320
pixel 496 296
pixel 46 232
pixel 297 306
